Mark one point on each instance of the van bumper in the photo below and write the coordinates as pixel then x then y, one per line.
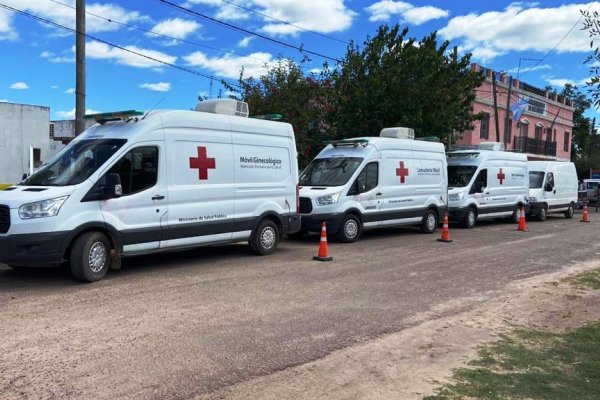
pixel 33 250
pixel 456 214
pixel 313 223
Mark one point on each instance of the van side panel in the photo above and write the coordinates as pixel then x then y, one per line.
pixel 508 185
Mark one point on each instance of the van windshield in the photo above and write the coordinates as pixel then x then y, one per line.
pixel 330 171
pixel 536 178
pixel 460 175
pixel 75 163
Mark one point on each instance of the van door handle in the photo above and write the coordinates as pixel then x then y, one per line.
pixel 158 197
pixel 378 194
pixel 487 192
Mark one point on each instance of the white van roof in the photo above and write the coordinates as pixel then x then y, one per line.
pixel 545 165
pixel 365 146
pixel 184 119
pixel 476 157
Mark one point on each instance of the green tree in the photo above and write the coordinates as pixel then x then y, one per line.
pixel 393 80
pixel 591 23
pixel 306 102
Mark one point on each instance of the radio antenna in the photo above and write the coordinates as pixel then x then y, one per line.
pixel 153 107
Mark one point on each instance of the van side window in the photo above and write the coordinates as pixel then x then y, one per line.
pixel 480 182
pixel 550 179
pixel 138 169
pixel 368 179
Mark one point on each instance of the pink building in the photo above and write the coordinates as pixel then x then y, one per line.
pixel 543 131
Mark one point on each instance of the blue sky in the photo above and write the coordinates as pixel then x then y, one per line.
pixel 38 60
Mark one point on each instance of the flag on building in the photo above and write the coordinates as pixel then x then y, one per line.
pixel 518 109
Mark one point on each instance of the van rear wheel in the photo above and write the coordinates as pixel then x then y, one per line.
pixel 350 229
pixel 570 212
pixel 266 238
pixel 90 257
pixel 429 221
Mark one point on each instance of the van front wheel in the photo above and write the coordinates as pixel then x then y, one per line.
pixel 569 213
pixel 90 257
pixel 265 238
pixel 543 213
pixel 429 222
pixel 470 218
pixel 350 229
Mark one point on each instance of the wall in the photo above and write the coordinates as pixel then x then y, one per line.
pixel 21 126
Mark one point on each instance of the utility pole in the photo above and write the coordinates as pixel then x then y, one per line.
pixel 79 66
pixel 507 124
pixel 451 134
pixel 495 106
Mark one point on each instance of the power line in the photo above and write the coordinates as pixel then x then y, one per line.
pixel 559 42
pixel 240 29
pixel 52 23
pixel 284 22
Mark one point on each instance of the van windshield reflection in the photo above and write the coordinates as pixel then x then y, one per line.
pixel 75 163
pixel 460 175
pixel 334 171
pixel 536 178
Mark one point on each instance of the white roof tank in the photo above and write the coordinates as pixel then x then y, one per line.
pixel 495 146
pixel 223 106
pixel 398 133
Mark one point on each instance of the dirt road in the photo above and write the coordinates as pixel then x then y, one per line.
pixel 184 325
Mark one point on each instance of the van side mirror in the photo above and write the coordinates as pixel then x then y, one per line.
pixel 113 188
pixel 549 187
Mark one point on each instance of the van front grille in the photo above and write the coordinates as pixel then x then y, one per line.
pixel 305 205
pixel 4 219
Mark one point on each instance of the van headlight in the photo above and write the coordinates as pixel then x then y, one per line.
pixel 456 196
pixel 532 199
pixel 41 209
pixel 328 199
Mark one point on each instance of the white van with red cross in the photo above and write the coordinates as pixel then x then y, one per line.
pixel 486 184
pixel 374 182
pixel 138 183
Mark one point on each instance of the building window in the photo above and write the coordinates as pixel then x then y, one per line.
pixel 523 129
pixel 538 132
pixel 51 131
pixel 567 140
pixel 536 106
pixel 484 127
pixel 508 132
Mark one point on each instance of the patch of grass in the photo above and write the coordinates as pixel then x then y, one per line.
pixel 529 364
pixel 4 185
pixel 588 279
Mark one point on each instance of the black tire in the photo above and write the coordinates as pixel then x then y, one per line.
pixel 429 222
pixel 350 229
pixel 543 213
pixel 266 238
pixel 570 212
pixel 90 257
pixel 470 218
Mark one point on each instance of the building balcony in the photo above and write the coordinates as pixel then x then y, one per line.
pixel 534 146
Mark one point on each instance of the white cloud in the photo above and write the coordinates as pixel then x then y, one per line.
pixel 518 28
pixel 54 58
pixel 229 66
pixel 157 87
pixel 315 71
pixel 70 91
pixel 54 87
pixel 561 82
pixel 7 31
pixel 66 15
pixel 383 10
pixel 3 101
pixel 19 86
pixel 71 113
pixel 245 41
pixel 529 69
pixel 102 51
pixel 326 17
pixel 176 27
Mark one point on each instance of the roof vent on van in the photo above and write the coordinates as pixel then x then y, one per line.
pixel 495 146
pixel 224 106
pixel 398 133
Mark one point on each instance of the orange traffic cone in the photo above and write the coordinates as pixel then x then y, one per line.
pixel 445 231
pixel 522 224
pixel 323 252
pixel 584 218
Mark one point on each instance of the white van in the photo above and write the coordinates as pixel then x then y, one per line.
pixel 486 184
pixel 372 182
pixel 135 184
pixel 552 188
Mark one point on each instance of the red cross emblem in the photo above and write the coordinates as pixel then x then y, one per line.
pixel 501 176
pixel 402 172
pixel 202 163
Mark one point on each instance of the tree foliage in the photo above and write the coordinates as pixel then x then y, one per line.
pixel 591 23
pixel 392 80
